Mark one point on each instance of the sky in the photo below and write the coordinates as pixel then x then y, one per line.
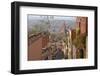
pixel 40 17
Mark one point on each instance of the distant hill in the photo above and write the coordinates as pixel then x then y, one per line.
pixel 52 25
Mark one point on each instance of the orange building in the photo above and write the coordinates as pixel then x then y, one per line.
pixel 82 24
pixel 45 40
pixel 36 45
